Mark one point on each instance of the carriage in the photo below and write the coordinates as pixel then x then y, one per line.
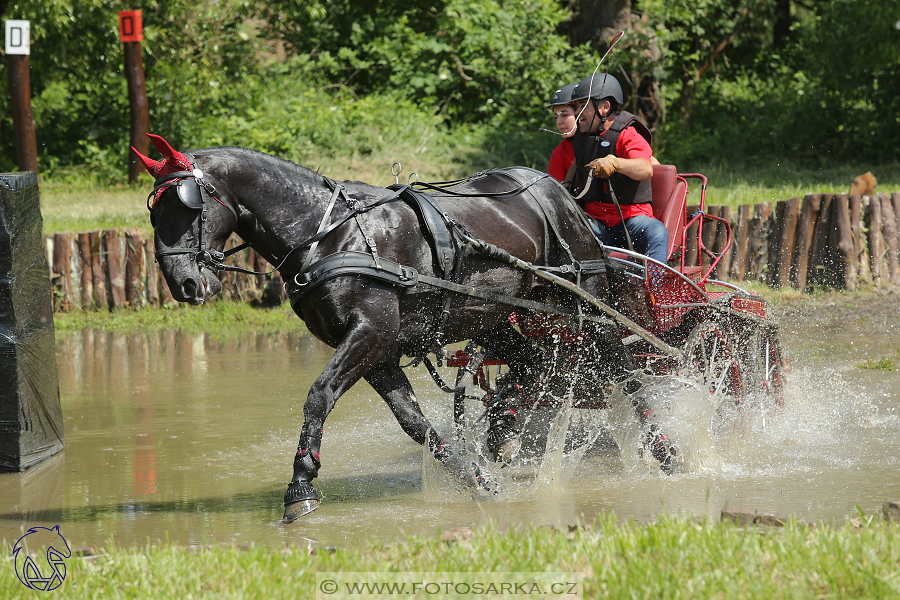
pixel 709 330
pixel 380 274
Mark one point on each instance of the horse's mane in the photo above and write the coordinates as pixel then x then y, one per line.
pixel 283 167
pixel 247 155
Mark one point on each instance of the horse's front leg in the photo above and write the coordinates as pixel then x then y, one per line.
pixel 362 346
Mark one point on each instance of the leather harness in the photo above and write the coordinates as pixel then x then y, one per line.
pixel 446 236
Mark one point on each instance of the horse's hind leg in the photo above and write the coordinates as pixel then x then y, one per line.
pixel 527 364
pixel 393 386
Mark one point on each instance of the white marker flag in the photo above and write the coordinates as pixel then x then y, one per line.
pixel 18 37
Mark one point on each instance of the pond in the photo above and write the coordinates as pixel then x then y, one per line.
pixel 190 440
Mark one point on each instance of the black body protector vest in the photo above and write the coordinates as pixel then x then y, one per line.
pixel 590 147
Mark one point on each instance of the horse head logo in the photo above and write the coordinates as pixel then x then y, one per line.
pixel 40 557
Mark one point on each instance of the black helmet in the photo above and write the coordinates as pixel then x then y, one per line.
pixel 598 86
pixel 562 96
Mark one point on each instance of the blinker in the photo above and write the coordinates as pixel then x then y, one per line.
pixel 189 193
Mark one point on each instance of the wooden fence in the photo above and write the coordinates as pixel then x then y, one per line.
pixel 825 240
pixel 106 270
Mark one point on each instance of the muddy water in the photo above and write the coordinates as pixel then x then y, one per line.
pixel 190 440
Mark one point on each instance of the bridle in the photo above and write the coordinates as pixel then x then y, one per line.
pixel 194 191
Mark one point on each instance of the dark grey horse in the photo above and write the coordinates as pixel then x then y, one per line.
pixel 275 206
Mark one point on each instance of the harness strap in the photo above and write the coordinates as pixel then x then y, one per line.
pixel 338 188
pixel 359 263
pixel 513 192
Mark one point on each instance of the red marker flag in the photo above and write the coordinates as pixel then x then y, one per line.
pixel 131 26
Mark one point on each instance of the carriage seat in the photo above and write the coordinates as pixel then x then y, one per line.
pixel 669 198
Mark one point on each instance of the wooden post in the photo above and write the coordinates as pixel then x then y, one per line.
pixel 114 268
pixel 132 33
pixel 97 263
pixel 722 269
pixel 889 229
pixel 87 279
pixel 710 227
pixel 758 247
pixel 62 270
pixel 242 282
pixel 876 239
pixel 806 224
pixel 842 269
pixel 772 264
pixel 862 256
pixel 152 275
pixel 134 266
pixel 739 255
pixel 895 202
pixel 255 280
pixel 819 252
pixel 18 47
pixel 690 256
pixel 785 243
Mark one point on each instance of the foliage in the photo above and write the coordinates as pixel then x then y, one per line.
pixel 303 78
pixel 194 53
pixel 495 61
pixel 885 363
pixel 828 92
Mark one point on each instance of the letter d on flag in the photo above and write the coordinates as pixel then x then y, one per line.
pixel 18 37
pixel 131 26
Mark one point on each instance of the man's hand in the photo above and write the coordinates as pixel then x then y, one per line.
pixel 604 167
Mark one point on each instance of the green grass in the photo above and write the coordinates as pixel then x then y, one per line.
pixel 223 319
pixel 880 364
pixel 673 559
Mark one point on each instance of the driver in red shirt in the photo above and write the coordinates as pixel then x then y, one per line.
pixel 613 161
pixel 563 155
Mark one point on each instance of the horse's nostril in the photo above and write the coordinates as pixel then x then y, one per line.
pixel 189 288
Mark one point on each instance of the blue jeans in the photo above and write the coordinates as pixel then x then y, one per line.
pixel 649 236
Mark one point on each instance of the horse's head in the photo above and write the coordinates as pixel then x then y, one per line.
pixel 191 220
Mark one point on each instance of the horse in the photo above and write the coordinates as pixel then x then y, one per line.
pixel 343 249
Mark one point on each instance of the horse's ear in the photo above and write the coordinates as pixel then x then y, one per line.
pixel 149 163
pixel 162 145
pixel 169 152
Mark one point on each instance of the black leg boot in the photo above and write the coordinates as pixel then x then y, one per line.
pixel 655 440
pixel 504 434
pixel 301 497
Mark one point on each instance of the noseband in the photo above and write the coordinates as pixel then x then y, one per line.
pixel 193 192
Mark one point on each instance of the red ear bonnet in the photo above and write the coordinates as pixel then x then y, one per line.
pixel 171 162
pixel 149 163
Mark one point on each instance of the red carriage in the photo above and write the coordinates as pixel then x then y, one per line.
pixel 680 320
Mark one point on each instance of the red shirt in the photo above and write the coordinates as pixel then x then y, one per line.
pixel 631 144
pixel 561 159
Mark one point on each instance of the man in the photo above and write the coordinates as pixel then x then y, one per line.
pixel 563 156
pixel 613 161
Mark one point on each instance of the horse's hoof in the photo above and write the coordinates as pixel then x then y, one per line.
pixel 661 449
pixel 503 443
pixel 294 511
pixel 482 481
pixel 300 499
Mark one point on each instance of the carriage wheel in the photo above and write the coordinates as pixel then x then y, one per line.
pixel 710 356
pixel 765 366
